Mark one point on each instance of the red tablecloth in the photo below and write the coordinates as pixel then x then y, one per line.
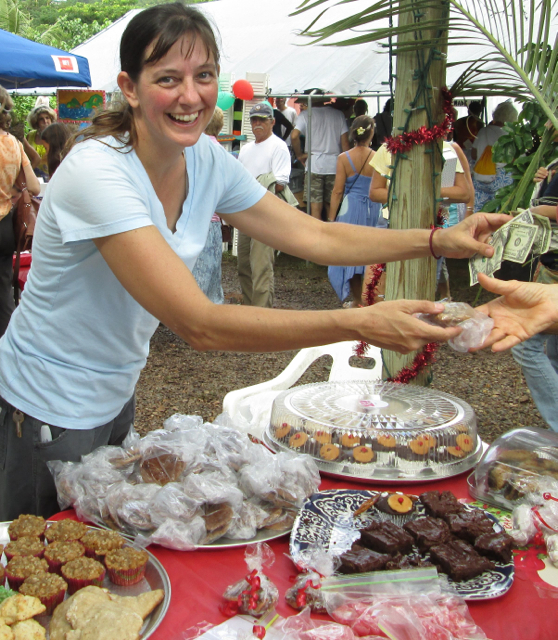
pixel 24 266
pixel 198 579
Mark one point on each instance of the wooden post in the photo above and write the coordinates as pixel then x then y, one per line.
pixel 415 184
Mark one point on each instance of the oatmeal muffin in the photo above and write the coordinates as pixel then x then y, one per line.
pixel 26 546
pixel 126 566
pixel 98 542
pixel 22 567
pixel 82 572
pixel 64 530
pixel 58 553
pixel 48 587
pixel 27 525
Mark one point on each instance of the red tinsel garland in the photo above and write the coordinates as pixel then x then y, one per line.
pixel 424 135
pixel 400 144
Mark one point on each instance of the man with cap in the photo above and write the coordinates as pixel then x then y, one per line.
pixel 267 158
pixel 329 136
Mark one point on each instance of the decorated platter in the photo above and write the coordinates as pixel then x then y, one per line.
pixel 327 520
pixel 156 577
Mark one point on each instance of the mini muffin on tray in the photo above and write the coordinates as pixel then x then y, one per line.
pixel 64 530
pixel 83 572
pixel 26 546
pixel 398 507
pixel 27 525
pixel 98 542
pixel 58 553
pixel 48 587
pixel 22 567
pixel 126 566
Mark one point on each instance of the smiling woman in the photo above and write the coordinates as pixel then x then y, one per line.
pixel 122 224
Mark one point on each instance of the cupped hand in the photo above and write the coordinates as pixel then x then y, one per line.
pixel 393 326
pixel 523 310
pixel 469 236
pixel 541 174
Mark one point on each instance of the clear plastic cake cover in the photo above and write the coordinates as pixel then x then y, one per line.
pixel 377 430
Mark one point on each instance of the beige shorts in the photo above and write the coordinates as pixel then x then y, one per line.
pixel 321 186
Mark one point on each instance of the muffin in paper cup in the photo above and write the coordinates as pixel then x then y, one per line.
pixel 65 530
pixel 48 587
pixel 98 542
pixel 83 572
pixel 126 566
pixel 21 567
pixel 27 525
pixel 26 546
pixel 60 552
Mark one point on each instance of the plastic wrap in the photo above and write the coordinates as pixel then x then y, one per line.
pixel 476 326
pixel 255 594
pixel 174 534
pixel 128 506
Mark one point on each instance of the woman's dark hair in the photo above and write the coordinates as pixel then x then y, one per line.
pixel 362 128
pixel 56 135
pixel 361 107
pixel 163 26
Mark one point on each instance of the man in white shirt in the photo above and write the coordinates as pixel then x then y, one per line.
pixel 329 137
pixel 268 154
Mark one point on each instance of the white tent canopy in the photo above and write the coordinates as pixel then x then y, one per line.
pixel 261 37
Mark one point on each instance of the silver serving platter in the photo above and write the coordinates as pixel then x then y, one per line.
pixel 262 535
pixel 156 577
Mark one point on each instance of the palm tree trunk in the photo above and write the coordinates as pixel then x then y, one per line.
pixel 415 185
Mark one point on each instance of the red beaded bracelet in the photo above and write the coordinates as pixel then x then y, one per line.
pixel 430 242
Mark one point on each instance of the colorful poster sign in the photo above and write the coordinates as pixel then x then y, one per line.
pixel 78 105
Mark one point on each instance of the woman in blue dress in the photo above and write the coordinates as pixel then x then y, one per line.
pixel 352 180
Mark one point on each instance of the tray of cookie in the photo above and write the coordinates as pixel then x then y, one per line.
pixel 385 531
pixel 66 576
pixel 377 431
pixel 519 462
pixel 187 487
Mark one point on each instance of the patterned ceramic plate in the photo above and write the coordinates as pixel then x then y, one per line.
pixel 327 520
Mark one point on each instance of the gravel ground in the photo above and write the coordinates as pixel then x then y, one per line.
pixel 178 379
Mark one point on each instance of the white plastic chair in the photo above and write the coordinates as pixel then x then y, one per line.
pixel 253 404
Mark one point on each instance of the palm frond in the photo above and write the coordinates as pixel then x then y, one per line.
pixel 519 36
pixel 12 18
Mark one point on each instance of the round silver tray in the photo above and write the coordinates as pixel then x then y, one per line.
pixel 156 577
pixel 393 475
pixel 262 535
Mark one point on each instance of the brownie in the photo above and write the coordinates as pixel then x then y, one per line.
pixel 411 561
pixel 386 537
pixel 427 532
pixel 459 560
pixel 469 525
pixel 440 505
pixel 359 559
pixel 496 546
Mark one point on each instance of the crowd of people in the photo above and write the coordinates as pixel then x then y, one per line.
pixel 141 194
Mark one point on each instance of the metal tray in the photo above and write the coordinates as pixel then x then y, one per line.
pixel 156 577
pixel 383 475
pixel 263 535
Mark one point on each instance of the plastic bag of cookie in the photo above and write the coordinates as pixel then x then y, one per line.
pixel 475 325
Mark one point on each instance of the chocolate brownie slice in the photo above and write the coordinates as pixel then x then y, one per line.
pixel 427 532
pixel 469 525
pixel 359 559
pixel 386 537
pixel 440 505
pixel 459 560
pixel 496 546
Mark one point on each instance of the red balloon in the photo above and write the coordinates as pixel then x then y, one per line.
pixel 243 90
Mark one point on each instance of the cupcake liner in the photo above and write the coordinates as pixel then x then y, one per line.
pixel 127 577
pixel 14 582
pixel 54 566
pixel 75 584
pixel 51 602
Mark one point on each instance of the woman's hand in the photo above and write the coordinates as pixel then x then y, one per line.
pixel 469 236
pixel 393 326
pixel 525 309
pixel 541 174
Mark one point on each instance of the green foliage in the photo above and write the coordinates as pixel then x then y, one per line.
pixel 13 18
pixel 66 33
pixel 523 141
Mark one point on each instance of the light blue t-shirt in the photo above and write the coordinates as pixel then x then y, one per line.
pixel 76 345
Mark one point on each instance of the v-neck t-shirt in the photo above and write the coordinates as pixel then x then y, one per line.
pixel 78 341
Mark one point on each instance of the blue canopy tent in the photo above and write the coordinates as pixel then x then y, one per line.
pixel 25 64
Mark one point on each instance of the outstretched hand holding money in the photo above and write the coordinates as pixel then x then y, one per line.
pixel 469 236
pixel 525 309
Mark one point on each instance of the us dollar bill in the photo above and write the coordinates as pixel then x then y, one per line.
pixel 520 241
pixel 544 235
pixel 480 264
